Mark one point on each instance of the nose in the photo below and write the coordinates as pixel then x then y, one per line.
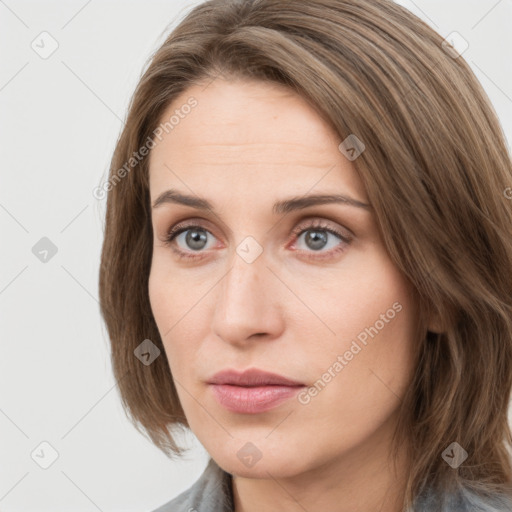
pixel 248 303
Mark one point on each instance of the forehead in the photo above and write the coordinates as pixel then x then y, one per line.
pixel 259 132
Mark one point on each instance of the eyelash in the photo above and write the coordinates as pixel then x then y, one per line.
pixel 180 228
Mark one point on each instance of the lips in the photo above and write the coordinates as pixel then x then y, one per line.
pixel 253 391
pixel 252 377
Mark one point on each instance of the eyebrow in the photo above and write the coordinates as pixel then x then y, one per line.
pixel 280 207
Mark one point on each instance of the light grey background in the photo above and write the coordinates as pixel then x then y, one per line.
pixel 60 118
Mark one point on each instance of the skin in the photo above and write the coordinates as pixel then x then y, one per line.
pixel 244 146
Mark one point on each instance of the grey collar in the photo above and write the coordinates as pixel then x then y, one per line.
pixel 213 492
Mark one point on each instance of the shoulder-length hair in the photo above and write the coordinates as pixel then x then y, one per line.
pixel 437 172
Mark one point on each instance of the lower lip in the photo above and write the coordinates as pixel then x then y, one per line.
pixel 252 400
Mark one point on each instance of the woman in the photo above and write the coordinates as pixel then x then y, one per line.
pixel 308 261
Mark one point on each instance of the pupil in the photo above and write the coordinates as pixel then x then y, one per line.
pixel 194 239
pixel 317 240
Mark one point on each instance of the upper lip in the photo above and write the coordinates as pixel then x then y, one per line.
pixel 251 377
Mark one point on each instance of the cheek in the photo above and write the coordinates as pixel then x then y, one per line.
pixel 359 374
pixel 166 299
pixel 158 290
pixel 370 320
pixel 168 290
pixel 178 311
pixel 355 295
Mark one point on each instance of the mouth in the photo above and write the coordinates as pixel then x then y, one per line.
pixel 253 391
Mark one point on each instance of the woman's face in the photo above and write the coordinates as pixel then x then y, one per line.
pixel 306 291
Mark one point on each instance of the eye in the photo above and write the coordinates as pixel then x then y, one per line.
pixel 317 237
pixel 187 239
pixel 191 237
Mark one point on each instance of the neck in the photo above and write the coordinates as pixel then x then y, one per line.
pixel 364 479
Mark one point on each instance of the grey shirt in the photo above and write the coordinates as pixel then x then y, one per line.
pixel 213 492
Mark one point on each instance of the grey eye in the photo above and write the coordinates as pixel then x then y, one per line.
pixel 317 239
pixel 195 239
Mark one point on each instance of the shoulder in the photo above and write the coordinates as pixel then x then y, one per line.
pixel 464 500
pixel 212 492
pixel 478 503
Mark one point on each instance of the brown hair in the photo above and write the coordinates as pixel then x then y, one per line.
pixel 435 169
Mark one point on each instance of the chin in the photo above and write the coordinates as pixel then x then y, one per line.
pixel 268 462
